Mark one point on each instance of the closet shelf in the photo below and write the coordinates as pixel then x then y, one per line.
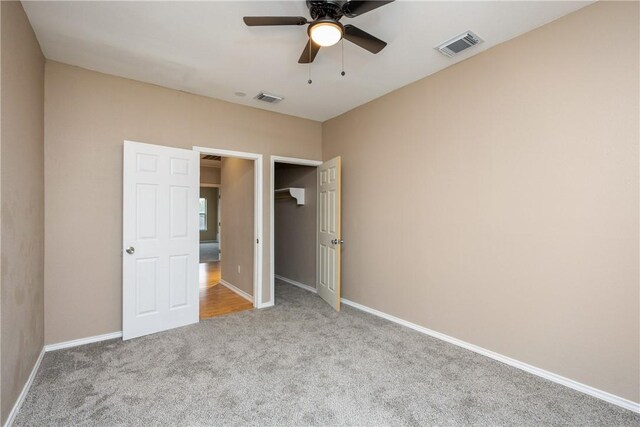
pixel 291 192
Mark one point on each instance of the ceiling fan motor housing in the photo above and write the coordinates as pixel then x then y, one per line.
pixel 325 9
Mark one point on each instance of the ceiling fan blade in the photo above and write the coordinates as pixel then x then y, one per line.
pixel 363 39
pixel 308 55
pixel 358 7
pixel 259 21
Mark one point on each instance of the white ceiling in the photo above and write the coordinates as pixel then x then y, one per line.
pixel 205 48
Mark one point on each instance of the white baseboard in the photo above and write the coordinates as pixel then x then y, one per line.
pixel 298 284
pixel 266 304
pixel 591 391
pixel 25 390
pixel 238 291
pixel 83 341
pixel 34 371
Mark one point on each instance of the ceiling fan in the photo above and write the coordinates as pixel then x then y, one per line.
pixel 325 28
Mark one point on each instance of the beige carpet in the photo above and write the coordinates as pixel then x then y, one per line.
pixel 298 363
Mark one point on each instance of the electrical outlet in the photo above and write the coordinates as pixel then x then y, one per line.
pixel 238 269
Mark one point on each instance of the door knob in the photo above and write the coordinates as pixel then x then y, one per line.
pixel 336 241
pixel 130 250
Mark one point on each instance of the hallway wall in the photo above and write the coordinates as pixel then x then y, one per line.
pixel 237 236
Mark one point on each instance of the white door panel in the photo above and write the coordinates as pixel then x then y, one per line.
pixel 329 241
pixel 160 224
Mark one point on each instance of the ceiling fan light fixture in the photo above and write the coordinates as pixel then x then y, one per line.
pixel 326 33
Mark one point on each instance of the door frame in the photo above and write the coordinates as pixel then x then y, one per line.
pixel 291 161
pixel 257 211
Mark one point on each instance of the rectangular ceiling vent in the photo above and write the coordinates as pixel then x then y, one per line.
pixel 459 43
pixel 271 99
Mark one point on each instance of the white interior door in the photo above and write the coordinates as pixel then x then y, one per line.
pixel 160 238
pixel 329 240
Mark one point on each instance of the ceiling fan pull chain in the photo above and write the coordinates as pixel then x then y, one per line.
pixel 342 73
pixel 310 81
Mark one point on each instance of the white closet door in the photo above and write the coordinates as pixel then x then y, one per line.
pixel 329 240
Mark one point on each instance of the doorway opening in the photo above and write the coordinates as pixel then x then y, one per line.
pixel 294 204
pixel 229 213
pixel 209 208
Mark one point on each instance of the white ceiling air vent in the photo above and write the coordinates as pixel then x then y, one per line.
pixel 271 99
pixel 459 43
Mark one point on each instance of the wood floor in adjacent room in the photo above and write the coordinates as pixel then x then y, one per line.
pixel 217 299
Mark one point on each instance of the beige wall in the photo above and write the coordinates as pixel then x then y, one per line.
pixel 88 115
pixel 507 186
pixel 237 219
pixel 21 197
pixel 211 194
pixel 209 175
pixel 295 226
